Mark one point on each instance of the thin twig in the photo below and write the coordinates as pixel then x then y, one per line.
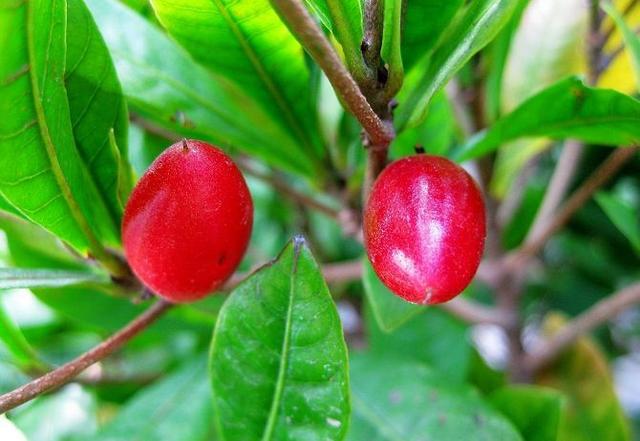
pixel 558 186
pixel 608 59
pixel 342 271
pixel 476 313
pixel 598 178
pixel 625 12
pixel 307 31
pixel 67 372
pixel 280 185
pixel 595 316
pixel 288 191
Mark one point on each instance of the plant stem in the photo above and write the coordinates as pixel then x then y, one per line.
pixel 595 316
pixel 67 372
pixel 598 178
pixel 558 187
pixel 306 30
pixel 288 191
pixel 625 12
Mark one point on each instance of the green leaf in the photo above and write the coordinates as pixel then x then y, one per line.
pixel 164 86
pixel 593 411
pixel 391 50
pixel 400 400
pixel 389 310
pixel 436 133
pixel 97 108
pixel 568 109
pixel 344 19
pixel 19 348
pixel 278 357
pixel 47 179
pixel 246 42
pixel 425 21
pixel 11 278
pixel 497 54
pixel 476 27
pixel 631 39
pixel 425 338
pixel 623 215
pixel 178 408
pixel 533 410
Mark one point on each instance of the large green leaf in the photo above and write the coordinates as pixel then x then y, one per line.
pixel 46 179
pixel 593 411
pixel 399 400
pixel 425 338
pixel 568 109
pixel 278 357
pixel 97 108
pixel 178 408
pixel 344 19
pixel 166 87
pixel 623 215
pixel 474 29
pixel 535 411
pixel 631 39
pixel 425 21
pixel 246 42
pixel 389 310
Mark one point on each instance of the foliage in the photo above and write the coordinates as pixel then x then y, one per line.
pixel 91 91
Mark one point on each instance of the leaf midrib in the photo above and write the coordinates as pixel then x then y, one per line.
pixel 284 359
pixel 262 73
pixel 58 174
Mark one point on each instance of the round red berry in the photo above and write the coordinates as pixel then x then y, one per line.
pixel 188 221
pixel 424 228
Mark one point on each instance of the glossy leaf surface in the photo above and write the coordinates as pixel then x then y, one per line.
pixel 278 357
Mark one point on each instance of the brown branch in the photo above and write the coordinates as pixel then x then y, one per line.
pixel 342 271
pixel 307 31
pixel 595 316
pixel 67 372
pixel 598 178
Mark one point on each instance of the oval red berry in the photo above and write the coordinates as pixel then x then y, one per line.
pixel 188 221
pixel 424 228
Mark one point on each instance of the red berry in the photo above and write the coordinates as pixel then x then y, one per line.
pixel 188 221
pixel 424 228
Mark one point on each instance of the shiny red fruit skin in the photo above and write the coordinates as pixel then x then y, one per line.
pixel 424 228
pixel 188 221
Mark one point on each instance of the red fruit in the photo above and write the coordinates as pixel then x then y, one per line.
pixel 188 222
pixel 424 228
